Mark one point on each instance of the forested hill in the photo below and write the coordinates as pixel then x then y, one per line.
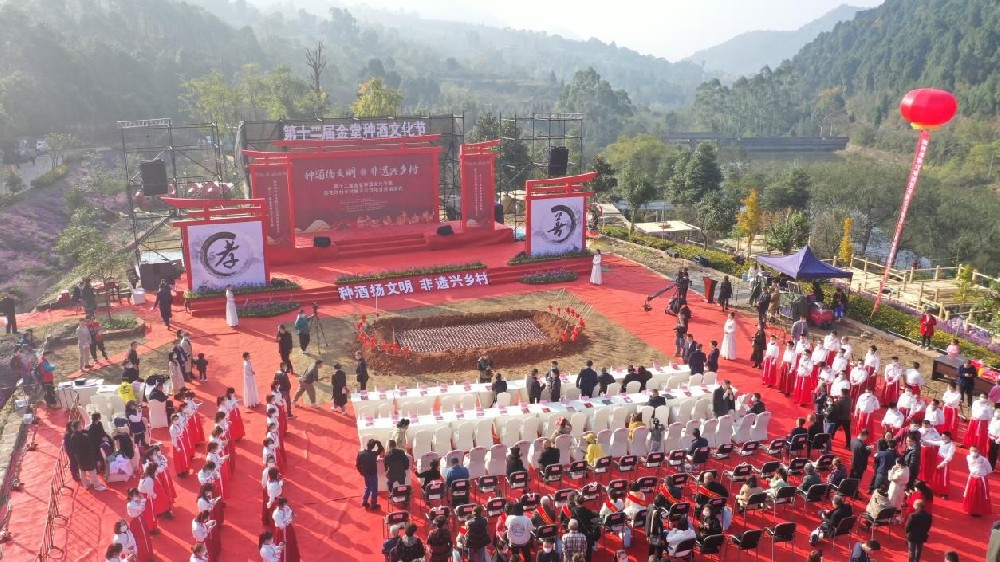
pixel 950 44
pixel 70 65
pixel 748 52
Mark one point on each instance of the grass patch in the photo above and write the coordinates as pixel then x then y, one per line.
pixel 517 260
pixel 50 177
pixel 720 261
pixel 546 277
pixel 266 310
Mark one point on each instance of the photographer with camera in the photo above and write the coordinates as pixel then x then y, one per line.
pixel 303 326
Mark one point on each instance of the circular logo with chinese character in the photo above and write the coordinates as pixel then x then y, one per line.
pixel 559 225
pixel 223 255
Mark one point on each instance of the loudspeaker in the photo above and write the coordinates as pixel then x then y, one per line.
pixel 321 241
pixel 445 230
pixel 558 160
pixel 150 274
pixel 154 177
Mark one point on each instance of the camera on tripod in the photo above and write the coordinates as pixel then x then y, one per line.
pixel 315 307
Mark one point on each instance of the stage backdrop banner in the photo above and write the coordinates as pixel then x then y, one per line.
pixel 555 225
pixel 478 191
pixel 270 182
pixel 226 254
pixel 359 191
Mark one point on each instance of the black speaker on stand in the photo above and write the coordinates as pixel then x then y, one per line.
pixel 154 177
pixel 321 241
pixel 558 161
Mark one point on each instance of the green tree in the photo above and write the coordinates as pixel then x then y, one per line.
pixel 787 234
pixel 58 143
pixel 103 182
pixel 750 218
pixel 513 162
pixel 716 215
pixel 790 192
pixel 637 190
pixel 605 183
pixel 643 153
pixel 701 176
pixel 212 99
pixel 376 100
pixel 605 108
pixel 13 180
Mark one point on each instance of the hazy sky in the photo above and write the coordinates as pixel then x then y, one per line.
pixel 672 29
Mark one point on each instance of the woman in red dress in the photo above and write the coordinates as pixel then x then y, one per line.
pixel 284 531
pixel 157 499
pixel 786 373
pixel 803 392
pixel 237 429
pixel 976 501
pixel 273 490
pixel 142 524
pixel 178 445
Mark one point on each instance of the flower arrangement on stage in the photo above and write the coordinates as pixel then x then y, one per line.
pixel 546 277
pixel 276 285
pixel 524 258
pixel 412 272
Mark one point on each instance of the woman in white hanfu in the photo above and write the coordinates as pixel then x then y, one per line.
pixel 595 272
pixel 250 397
pixel 729 338
pixel 232 318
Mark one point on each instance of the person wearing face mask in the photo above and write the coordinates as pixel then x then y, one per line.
pixel 976 434
pixel 939 480
pixel 994 436
pixel 548 552
pixel 977 490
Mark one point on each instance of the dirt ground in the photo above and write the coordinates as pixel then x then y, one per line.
pixel 609 344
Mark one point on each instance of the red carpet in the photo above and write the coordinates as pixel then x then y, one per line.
pixel 322 484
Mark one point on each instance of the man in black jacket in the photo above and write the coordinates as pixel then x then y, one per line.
pixel 830 519
pixel 285 388
pixel 912 457
pixel 918 527
pixel 723 399
pixel 696 360
pixel 712 359
pixel 861 451
pixel 396 464
pixel 367 465
pixel 604 380
pixel 587 381
pixel 655 400
pixel 82 449
pixel 839 416
pixel 549 456
pixel 361 371
pixel 534 388
pixel 285 346
pixel 7 307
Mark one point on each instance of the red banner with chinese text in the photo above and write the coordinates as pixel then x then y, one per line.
pixel 911 187
pixel 478 190
pixel 364 190
pixel 270 183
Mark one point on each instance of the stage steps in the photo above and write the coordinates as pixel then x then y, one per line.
pixel 381 246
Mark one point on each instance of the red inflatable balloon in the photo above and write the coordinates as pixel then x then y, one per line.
pixel 928 108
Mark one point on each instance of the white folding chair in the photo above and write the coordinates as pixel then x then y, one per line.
pixel 442 440
pixel 601 418
pixel 579 422
pixel 633 387
pixel 422 407
pixel 484 433
pixel 690 426
pixel 696 379
pixel 759 432
pixel 684 410
pixel 672 438
pixel 743 428
pixel 476 462
pixel 710 378
pixel 604 440
pixel 647 413
pixel 448 458
pixel 423 442
pixel 511 432
pixel 468 402
pixel 496 460
pixel 701 409
pixel 366 411
pixel 385 410
pixel 564 443
pixel 724 431
pixel 708 430
pixel 449 401
pixel 614 388
pixel 662 413
pixel 535 451
pixel 639 444
pixel 619 443
pixel 424 461
pixel 503 400
pixel 529 429
pixel 619 417
pixel 465 436
pixel 525 447
pixel 157 414
pixel 675 382
pixel 571 393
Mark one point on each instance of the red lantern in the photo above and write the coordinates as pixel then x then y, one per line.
pixel 928 108
pixel 573 337
pixel 563 337
pixel 550 308
pixel 559 310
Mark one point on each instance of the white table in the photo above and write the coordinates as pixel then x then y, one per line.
pixel 66 392
pixel 381 427
pixel 401 397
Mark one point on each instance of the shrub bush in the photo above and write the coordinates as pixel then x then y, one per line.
pixel 266 310
pixel 546 277
pixel 50 177
pixel 718 260
pixel 517 260
pixel 276 285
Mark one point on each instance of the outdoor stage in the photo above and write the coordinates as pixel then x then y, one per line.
pixel 321 482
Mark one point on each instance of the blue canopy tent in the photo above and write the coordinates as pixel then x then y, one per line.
pixel 803 265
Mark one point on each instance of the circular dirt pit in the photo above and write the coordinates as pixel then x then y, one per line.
pixel 450 343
